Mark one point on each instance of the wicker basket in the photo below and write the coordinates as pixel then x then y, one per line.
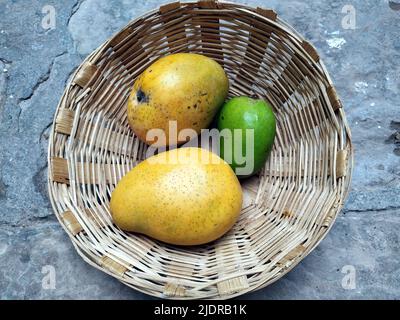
pixel 289 207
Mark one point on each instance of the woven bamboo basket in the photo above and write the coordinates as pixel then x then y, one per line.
pixel 288 207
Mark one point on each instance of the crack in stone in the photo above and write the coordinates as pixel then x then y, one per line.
pixel 394 5
pixel 39 181
pixel 69 76
pixel 18 118
pixel 42 79
pixel 389 208
pixel 43 131
pixel 394 125
pixel 5 61
pixel 29 222
pixel 75 9
pixel 3 189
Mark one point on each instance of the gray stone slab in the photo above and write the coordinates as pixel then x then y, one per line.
pixel 368 243
pixel 29 255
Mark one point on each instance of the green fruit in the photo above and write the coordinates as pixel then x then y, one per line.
pixel 245 113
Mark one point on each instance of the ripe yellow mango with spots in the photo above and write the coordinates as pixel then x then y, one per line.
pixel 185 87
pixel 186 196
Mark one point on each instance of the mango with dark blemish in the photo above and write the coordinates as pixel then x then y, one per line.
pixel 180 87
pixel 186 196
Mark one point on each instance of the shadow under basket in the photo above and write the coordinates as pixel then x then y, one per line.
pixel 288 207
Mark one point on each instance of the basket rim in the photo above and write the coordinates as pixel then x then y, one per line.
pixel 100 50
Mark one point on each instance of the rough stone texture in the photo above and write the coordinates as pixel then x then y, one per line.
pixel 35 65
pixel 32 249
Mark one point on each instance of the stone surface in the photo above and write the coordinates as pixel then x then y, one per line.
pixel 33 251
pixel 36 63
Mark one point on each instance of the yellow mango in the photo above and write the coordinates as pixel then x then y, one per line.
pixel 185 196
pixel 185 87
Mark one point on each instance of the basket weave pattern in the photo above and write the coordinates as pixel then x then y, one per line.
pixel 289 207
